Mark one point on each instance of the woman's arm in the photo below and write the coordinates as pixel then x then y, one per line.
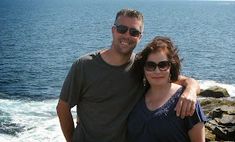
pixel 197 133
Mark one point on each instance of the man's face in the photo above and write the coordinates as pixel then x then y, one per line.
pixel 125 42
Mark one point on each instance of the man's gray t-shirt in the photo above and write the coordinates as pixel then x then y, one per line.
pixel 104 95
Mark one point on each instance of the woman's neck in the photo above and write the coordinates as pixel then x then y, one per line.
pixel 160 90
pixel 157 96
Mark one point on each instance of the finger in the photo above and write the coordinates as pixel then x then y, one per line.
pixel 183 109
pixel 178 107
pixel 192 110
pixel 188 108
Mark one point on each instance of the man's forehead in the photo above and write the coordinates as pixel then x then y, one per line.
pixel 129 21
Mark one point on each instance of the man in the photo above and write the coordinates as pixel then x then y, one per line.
pixel 103 89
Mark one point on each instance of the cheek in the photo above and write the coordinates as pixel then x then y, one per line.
pixel 138 40
pixel 168 72
pixel 147 75
pixel 135 40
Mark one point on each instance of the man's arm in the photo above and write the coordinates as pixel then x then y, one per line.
pixel 66 119
pixel 187 101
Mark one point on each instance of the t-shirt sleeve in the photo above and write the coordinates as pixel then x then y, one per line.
pixel 197 117
pixel 71 89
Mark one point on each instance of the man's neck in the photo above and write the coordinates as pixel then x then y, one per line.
pixel 113 58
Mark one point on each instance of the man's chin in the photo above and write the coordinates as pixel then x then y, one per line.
pixel 127 51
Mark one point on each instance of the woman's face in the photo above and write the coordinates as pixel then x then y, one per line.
pixel 157 69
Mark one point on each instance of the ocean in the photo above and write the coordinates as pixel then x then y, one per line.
pixel 40 39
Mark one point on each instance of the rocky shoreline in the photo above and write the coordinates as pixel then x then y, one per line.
pixel 219 107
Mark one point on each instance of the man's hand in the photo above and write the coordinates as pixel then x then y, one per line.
pixel 187 101
pixel 186 104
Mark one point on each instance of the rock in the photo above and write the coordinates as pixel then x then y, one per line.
pixel 215 91
pixel 228 109
pixel 221 115
pixel 226 120
pixel 210 136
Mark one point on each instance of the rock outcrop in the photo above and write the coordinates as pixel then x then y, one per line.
pixel 221 114
pixel 215 92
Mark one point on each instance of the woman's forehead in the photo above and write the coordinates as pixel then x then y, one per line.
pixel 158 55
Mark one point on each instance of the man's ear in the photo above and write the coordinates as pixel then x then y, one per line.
pixel 140 36
pixel 113 28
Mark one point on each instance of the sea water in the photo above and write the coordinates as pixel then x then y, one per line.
pixel 39 40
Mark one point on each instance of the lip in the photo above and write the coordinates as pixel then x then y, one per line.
pixel 124 42
pixel 157 77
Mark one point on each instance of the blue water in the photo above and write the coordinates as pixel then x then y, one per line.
pixel 39 40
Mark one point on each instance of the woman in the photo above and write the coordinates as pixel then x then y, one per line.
pixel 153 118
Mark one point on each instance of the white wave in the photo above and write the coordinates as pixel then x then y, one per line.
pixel 39 118
pixel 205 84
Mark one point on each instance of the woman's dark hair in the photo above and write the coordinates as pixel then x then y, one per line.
pixel 159 44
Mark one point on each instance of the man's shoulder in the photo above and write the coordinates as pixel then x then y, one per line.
pixel 87 57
